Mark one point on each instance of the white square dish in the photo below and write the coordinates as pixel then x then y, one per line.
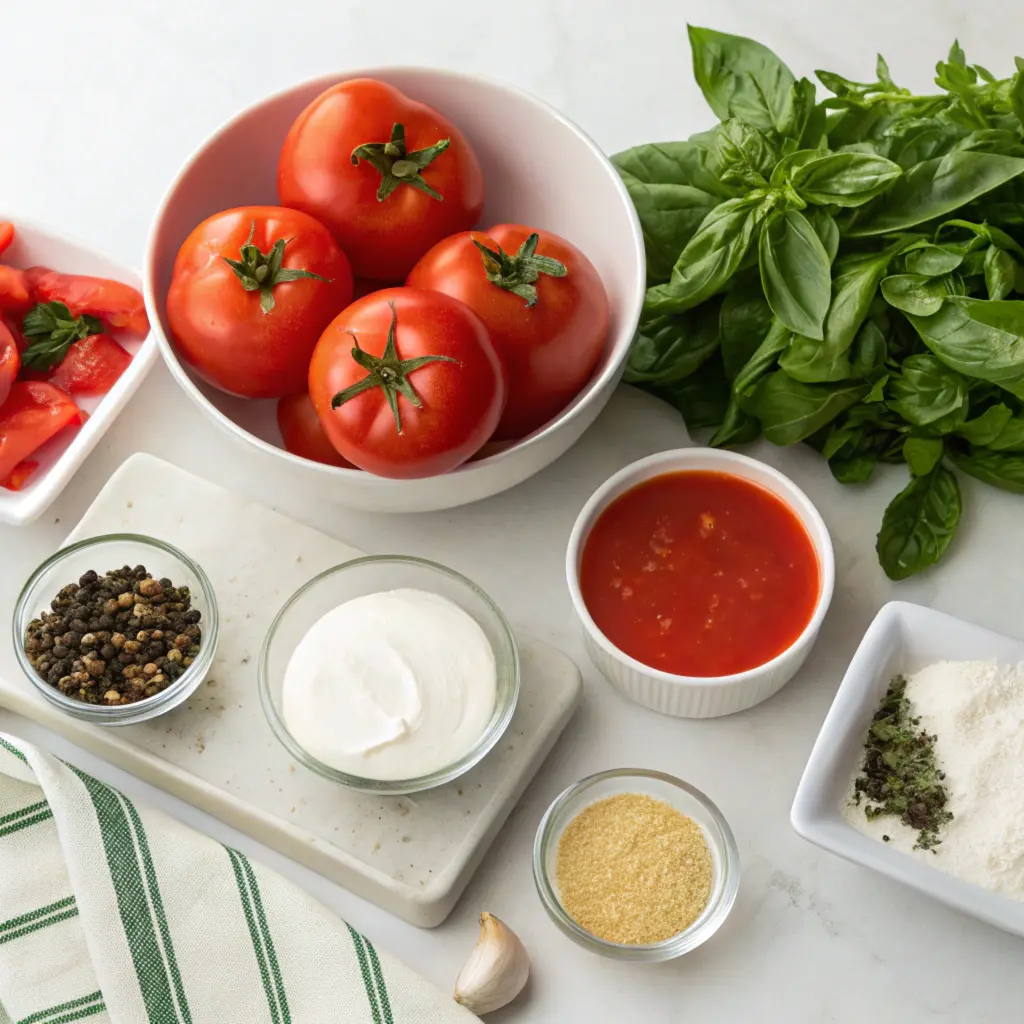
pixel 902 639
pixel 36 245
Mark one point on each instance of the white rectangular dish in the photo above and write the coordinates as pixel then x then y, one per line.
pixel 412 855
pixel 59 460
pixel 903 638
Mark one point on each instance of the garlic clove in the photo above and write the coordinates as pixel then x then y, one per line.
pixel 496 970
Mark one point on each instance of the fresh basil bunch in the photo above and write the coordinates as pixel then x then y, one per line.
pixel 847 272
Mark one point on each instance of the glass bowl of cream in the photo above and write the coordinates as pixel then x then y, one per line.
pixel 389 674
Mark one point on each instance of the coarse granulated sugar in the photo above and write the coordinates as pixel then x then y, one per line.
pixel 976 711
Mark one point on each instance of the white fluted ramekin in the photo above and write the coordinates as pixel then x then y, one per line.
pixel 695 696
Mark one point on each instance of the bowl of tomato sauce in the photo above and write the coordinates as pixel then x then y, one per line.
pixel 701 578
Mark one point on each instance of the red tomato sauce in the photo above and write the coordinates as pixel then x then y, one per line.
pixel 700 574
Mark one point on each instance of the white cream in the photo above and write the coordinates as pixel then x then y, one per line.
pixel 390 686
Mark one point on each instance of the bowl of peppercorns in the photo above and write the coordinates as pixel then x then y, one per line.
pixel 116 629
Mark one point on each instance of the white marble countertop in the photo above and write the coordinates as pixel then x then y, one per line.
pixel 102 102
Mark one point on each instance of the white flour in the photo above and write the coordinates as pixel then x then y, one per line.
pixel 976 709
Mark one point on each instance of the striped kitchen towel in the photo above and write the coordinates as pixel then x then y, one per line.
pixel 109 912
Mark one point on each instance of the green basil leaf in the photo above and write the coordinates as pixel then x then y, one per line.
pixel 933 260
pixel 996 468
pixel 745 154
pixel 744 320
pixel 922 454
pixel 795 272
pixel 764 358
pixel 1000 273
pixel 702 398
pixel 670 348
pixel 736 428
pixel 933 189
pixel 978 338
pixel 711 257
pixel 741 78
pixel 987 427
pixel 853 288
pixel 1017 94
pixel 669 217
pixel 868 352
pixel 844 179
pixel 790 411
pixel 801 119
pixel 1011 437
pixel 826 228
pixel 693 164
pixel 914 293
pixel 853 469
pixel 925 391
pixel 877 392
pixel 984 233
pixel 919 524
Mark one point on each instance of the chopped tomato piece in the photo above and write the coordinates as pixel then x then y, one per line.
pixel 92 366
pixel 14 293
pixel 33 413
pixel 20 475
pixel 6 235
pixel 10 361
pixel 119 305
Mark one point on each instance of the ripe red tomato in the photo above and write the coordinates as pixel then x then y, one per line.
pixel 544 305
pixel 6 235
pixel 302 433
pixel 10 361
pixel 252 291
pixel 33 413
pixel 407 383
pixel 92 366
pixel 388 176
pixel 14 292
pixel 119 305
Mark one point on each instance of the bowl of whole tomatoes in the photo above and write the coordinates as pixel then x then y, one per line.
pixel 416 286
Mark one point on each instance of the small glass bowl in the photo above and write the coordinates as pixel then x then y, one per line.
pixel 101 554
pixel 370 575
pixel 683 797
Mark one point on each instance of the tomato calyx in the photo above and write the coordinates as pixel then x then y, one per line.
pixel 387 372
pixel 262 271
pixel 397 166
pixel 53 330
pixel 518 274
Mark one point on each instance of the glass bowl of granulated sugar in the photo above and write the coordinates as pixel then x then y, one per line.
pixel 636 865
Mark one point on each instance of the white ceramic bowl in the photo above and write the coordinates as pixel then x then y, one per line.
pixel 59 460
pixel 539 168
pixel 695 696
pixel 903 639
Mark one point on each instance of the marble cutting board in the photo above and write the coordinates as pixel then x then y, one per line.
pixel 411 855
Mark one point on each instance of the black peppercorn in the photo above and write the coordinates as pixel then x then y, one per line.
pixel 116 638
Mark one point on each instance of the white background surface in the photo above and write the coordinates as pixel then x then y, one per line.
pixel 103 100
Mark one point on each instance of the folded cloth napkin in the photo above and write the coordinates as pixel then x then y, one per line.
pixel 109 912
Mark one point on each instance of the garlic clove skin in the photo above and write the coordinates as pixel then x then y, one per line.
pixel 496 970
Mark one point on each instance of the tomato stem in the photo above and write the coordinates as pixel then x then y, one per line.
pixel 387 372
pixel 518 274
pixel 396 165
pixel 262 271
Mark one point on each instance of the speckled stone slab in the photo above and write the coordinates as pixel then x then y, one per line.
pixel 412 855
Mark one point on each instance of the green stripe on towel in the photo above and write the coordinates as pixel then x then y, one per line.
pixel 86 1006
pixel 364 969
pixel 378 975
pixel 259 933
pixel 17 826
pixel 138 900
pixel 11 749
pixel 35 920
